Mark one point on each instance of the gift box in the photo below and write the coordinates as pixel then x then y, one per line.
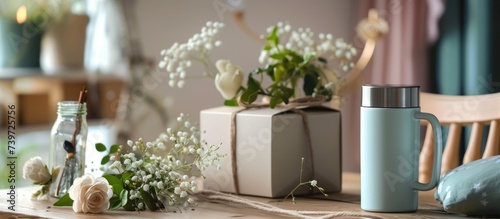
pixel 270 144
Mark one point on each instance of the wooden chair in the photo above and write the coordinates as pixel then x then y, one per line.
pixel 457 112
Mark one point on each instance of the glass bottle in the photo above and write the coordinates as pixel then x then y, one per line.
pixel 67 146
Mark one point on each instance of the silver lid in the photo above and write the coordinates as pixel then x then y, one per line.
pixel 390 96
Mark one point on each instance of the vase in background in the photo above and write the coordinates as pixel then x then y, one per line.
pixel 63 45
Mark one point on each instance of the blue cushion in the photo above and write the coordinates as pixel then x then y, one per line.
pixel 472 189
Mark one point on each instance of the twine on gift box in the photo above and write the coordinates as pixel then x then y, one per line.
pixel 292 106
pixel 215 196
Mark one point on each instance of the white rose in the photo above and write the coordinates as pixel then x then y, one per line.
pixel 90 195
pixel 228 80
pixel 34 169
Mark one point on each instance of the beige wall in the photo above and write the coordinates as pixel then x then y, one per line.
pixel 163 22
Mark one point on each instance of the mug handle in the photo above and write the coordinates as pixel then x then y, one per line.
pixel 438 148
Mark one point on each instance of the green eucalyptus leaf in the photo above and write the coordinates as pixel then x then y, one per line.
pixel 310 83
pixel 278 56
pixel 127 175
pixel 117 188
pixel 65 200
pixel 129 204
pixel 114 203
pixel 321 59
pixel 105 159
pixel 231 102
pixel 124 197
pixel 270 70
pixel 279 73
pixel 276 41
pixel 100 147
pixel 149 200
pixel 273 37
pixel 253 84
pixel 249 96
pixel 287 92
pixel 114 148
pixel 295 58
pixel 274 101
pixel 112 179
pixel 284 93
pixel 252 91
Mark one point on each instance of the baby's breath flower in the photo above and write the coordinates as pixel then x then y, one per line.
pixel 167 173
pixel 179 57
pixel 177 190
pixel 159 185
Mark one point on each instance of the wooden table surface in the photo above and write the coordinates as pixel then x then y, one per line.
pixel 347 200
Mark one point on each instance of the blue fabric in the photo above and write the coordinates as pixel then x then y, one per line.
pixel 466 52
pixel 472 189
pixel 464 58
pixel 467 63
pixel 477 41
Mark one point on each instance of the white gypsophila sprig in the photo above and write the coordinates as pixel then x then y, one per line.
pixel 165 166
pixel 179 57
pixel 303 42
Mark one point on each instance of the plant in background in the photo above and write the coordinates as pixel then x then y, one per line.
pixel 301 60
pixel 157 174
pixel 40 12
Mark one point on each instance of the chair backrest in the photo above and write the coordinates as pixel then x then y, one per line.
pixel 457 112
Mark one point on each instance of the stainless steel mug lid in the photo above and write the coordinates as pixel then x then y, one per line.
pixel 386 96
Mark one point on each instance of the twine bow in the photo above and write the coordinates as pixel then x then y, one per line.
pixel 292 106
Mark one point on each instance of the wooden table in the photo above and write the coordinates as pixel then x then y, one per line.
pixel 347 200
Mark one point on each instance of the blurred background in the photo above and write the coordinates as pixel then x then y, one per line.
pixel 113 47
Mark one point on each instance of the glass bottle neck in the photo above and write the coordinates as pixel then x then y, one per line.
pixel 71 108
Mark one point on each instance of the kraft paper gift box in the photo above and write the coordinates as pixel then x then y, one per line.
pixel 270 144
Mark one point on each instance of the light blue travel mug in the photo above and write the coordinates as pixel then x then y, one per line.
pixel 390 146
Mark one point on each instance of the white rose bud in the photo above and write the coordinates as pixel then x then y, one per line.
pixel 228 80
pixel 34 169
pixel 90 195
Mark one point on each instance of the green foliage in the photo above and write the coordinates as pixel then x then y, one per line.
pixel 231 102
pixel 288 69
pixel 105 159
pixel 112 150
pixel 100 147
pixel 143 180
pixel 65 200
pixel 150 199
pixel 114 203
